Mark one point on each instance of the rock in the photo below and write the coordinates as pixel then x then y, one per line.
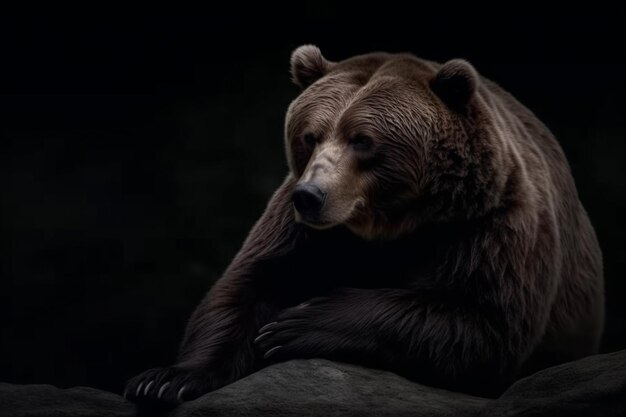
pixel 49 401
pixel 593 386
pixel 319 387
pixel 296 388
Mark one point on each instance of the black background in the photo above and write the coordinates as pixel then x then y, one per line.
pixel 136 153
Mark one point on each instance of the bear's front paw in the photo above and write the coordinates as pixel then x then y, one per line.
pixel 170 386
pixel 298 332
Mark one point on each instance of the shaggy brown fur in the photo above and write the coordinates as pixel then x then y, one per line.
pixel 450 245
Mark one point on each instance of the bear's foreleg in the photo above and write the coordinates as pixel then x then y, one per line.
pixel 217 348
pixel 433 337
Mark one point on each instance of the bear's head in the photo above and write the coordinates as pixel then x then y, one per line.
pixel 382 143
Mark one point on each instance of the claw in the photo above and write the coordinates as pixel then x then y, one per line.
pixel 145 391
pixel 303 305
pixel 139 389
pixel 162 389
pixel 267 326
pixel 125 393
pixel 271 352
pixel 179 396
pixel 262 336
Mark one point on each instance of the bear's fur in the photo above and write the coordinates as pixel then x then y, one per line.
pixel 446 241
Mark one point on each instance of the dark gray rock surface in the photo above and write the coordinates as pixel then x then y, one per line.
pixel 322 388
pixel 595 386
pixel 49 401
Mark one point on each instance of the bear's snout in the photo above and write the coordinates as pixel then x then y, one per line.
pixel 308 199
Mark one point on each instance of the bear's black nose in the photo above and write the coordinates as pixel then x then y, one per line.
pixel 308 199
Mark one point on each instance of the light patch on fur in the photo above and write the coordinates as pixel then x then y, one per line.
pixel 332 168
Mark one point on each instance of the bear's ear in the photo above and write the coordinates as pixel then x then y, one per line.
pixel 455 83
pixel 308 65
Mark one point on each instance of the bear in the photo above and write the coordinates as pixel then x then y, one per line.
pixel 429 225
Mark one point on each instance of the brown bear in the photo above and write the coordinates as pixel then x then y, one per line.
pixel 429 225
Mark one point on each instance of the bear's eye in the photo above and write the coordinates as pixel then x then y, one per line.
pixel 361 142
pixel 310 139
